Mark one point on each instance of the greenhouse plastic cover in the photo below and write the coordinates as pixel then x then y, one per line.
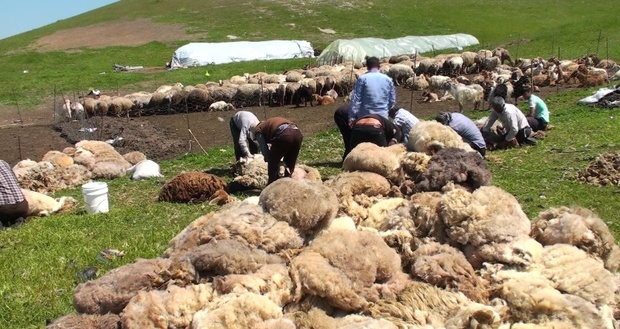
pixel 357 49
pixel 206 53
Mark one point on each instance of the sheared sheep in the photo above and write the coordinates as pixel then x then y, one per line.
pixel 145 169
pixel 191 187
pixel 305 205
pixel 249 174
pixel 430 136
pixel 579 227
pixel 221 106
pixel 40 204
pixel 465 169
pixel 384 161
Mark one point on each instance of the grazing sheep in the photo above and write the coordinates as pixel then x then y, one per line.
pixel 384 161
pixel 466 169
pixel 430 137
pixel 578 227
pixel 305 205
pixel 463 94
pixel 191 187
pixel 400 73
pixel 503 55
pixel 40 204
pixel 453 65
pixel 134 157
pixel 120 105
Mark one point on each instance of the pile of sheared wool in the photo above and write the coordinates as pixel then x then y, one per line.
pixel 294 258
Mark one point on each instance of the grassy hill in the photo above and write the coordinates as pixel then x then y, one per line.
pixel 527 28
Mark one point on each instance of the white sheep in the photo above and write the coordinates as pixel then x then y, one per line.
pixel 144 169
pixel 40 204
pixel 221 106
pixel 463 94
pixel 453 64
pixel 400 73
pixel 436 82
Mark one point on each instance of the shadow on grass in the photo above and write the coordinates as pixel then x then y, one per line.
pixel 327 164
pixel 220 172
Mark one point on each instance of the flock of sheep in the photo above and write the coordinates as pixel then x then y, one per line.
pixel 405 237
pixel 495 72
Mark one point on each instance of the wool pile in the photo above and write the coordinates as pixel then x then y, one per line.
pixel 604 170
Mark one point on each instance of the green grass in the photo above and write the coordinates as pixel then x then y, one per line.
pixel 41 258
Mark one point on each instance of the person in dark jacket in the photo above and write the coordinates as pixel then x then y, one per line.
pixel 374 128
pixel 285 139
pixel 341 118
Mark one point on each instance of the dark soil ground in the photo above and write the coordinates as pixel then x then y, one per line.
pixel 166 136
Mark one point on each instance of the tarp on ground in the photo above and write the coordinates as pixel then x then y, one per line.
pixel 211 53
pixel 356 50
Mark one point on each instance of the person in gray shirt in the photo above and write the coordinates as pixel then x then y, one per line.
pixel 404 120
pixel 466 128
pixel 240 128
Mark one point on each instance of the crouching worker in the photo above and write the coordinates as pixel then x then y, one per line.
pixel 341 118
pixel 374 129
pixel 538 117
pixel 240 124
pixel 285 139
pixel 404 121
pixel 466 128
pixel 13 204
pixel 513 120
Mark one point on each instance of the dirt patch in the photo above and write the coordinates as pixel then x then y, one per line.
pixel 604 170
pixel 137 134
pixel 120 33
pixel 166 136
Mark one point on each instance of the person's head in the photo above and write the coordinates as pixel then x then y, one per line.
pixel 497 103
pixel 372 63
pixel 527 91
pixel 444 118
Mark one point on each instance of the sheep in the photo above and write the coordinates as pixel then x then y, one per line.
pixel 436 82
pixel 40 204
pixel 195 100
pixel 332 93
pixel 465 169
pixel 239 79
pixel 249 174
pixel 305 205
pixel 463 94
pixel 221 106
pixel 302 93
pixel 453 65
pixel 430 136
pixel 140 99
pixel 384 161
pixel 490 63
pixel 503 55
pixel 120 106
pixel 429 97
pixel 58 159
pixel 73 109
pixel 144 169
pixel 359 182
pixel 293 76
pixel 164 89
pixel 191 186
pixel 588 80
pixel 400 73
pixel 323 100
pixel 579 227
pixel 471 60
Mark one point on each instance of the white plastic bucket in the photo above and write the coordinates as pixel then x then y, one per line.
pixel 96 197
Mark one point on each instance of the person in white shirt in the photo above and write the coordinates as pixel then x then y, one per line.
pixel 513 120
pixel 240 128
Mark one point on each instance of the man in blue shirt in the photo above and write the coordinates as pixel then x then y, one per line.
pixel 466 128
pixel 374 93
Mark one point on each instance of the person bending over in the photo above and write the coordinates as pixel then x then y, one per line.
pixel 285 139
pixel 404 121
pixel 513 120
pixel 240 125
pixel 13 204
pixel 376 129
pixel 466 128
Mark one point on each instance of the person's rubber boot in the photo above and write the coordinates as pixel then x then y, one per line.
pixel 530 141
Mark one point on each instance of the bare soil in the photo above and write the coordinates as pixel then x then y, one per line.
pixel 167 136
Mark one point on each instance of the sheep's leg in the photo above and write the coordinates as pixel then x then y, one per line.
pixel 460 107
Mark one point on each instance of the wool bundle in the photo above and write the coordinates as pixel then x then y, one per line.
pixel 384 161
pixel 303 204
pixel 465 169
pixel 191 186
pixel 134 157
pixel 78 321
pixel 604 170
pixel 431 137
pixel 242 222
pixel 44 177
pixel 578 227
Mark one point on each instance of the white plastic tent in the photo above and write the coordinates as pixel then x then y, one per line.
pixel 204 53
pixel 357 49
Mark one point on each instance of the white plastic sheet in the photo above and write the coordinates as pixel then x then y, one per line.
pixel 203 53
pixel 357 49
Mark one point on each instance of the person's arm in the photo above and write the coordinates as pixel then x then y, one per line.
pixel 243 143
pixel 490 121
pixel 356 102
pixel 512 128
pixel 532 107
pixel 262 144
pixel 392 96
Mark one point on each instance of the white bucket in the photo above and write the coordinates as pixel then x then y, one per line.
pixel 96 197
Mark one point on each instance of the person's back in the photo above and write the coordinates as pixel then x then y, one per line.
pixel 13 204
pixel 467 129
pixel 541 112
pixel 404 120
pixel 374 93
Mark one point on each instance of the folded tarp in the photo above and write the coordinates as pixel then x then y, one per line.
pixel 205 53
pixel 356 50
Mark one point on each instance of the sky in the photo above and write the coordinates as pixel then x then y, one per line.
pixel 19 16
